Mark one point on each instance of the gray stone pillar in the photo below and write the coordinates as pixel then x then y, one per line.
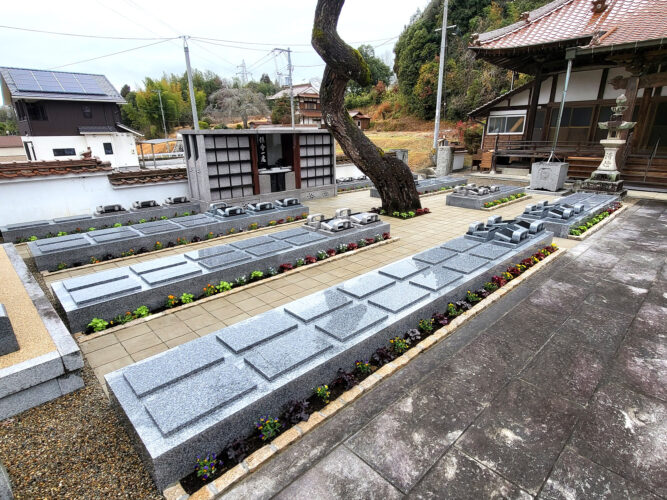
pixel 444 161
pixel 8 341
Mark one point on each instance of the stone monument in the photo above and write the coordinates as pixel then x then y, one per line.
pixel 548 175
pixel 606 178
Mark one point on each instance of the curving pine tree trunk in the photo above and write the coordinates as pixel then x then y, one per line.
pixel 392 178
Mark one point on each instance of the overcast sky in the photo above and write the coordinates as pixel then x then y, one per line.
pixel 279 24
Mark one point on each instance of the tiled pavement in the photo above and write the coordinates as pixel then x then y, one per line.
pixel 557 391
pixel 121 348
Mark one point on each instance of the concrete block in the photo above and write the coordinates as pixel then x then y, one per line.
pixel 548 175
pixel 469 198
pixel 430 185
pixel 8 341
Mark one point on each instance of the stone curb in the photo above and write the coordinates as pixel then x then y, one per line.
pixel 426 195
pixel 597 226
pixel 189 246
pixel 82 337
pixel 216 488
pixel 511 202
pixel 353 190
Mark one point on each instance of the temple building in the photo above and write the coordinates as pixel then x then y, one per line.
pixel 586 53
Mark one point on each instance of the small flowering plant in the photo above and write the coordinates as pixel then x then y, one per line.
pixel 508 276
pixel 253 226
pixel 209 290
pixel 285 267
pixel 452 310
pixel 256 275
pixel 172 301
pixel 331 252
pixel 223 287
pixel 321 255
pixel 426 325
pixel 232 230
pixel 300 262
pixel 268 428
pixel 363 367
pixel 342 248
pixel 158 246
pixel 310 259
pixel 273 223
pixel 472 297
pixel 240 281
pixel 206 466
pixel 181 241
pixel 186 298
pixel 289 219
pixel 386 236
pixel 98 324
pixel 210 235
pixel 352 246
pixel 323 393
pixel 399 345
pixel 141 312
pixel 490 286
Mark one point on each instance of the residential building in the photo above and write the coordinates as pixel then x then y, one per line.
pixel 613 48
pixel 63 115
pixel 363 121
pixel 11 148
pixel 307 107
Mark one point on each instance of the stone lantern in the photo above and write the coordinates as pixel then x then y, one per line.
pixel 607 177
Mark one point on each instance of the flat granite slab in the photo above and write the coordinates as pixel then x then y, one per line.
pixel 431 185
pixel 592 205
pixel 42 228
pixel 179 404
pixel 73 249
pixel 108 293
pixel 477 202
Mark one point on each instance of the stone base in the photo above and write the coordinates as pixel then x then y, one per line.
pixel 548 175
pixel 477 202
pixel 599 184
pixel 431 185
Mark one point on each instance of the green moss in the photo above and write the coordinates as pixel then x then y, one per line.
pixel 318 36
pixel 364 78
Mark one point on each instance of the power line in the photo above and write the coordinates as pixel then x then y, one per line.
pixel 112 54
pixel 202 40
pixel 81 35
pixel 230 64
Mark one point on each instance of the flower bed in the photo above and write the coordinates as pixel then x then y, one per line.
pixel 401 215
pixel 504 201
pixel 161 245
pixel 581 229
pixel 269 427
pixel 171 301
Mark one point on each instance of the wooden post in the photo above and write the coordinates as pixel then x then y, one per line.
pixel 254 163
pixel 631 95
pixel 296 158
pixel 532 109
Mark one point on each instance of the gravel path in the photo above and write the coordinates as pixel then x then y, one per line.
pixel 74 447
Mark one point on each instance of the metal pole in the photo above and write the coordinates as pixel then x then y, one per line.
pixel 164 125
pixel 441 71
pixel 193 103
pixel 570 59
pixel 291 89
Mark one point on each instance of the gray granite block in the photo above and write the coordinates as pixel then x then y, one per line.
pixel 489 251
pixel 477 202
pixel 281 355
pixel 460 244
pixel 465 263
pixel 430 185
pixel 72 218
pixel 284 354
pixel 70 382
pixel 112 292
pixel 76 249
pixel 30 397
pixel 29 373
pixel 291 233
pixel 8 341
pixel 304 239
pixel 5 485
pixel 434 255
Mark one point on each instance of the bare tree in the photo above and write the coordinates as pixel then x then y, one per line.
pixel 392 178
pixel 235 102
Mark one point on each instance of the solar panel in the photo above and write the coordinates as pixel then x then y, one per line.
pixel 60 83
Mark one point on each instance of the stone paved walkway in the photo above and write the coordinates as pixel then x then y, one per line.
pixel 559 390
pixel 115 350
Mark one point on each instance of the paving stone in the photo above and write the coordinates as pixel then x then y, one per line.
pixel 461 244
pixel 249 333
pixel 577 477
pixel 616 296
pixel 463 478
pixel 422 424
pixel 347 322
pixel 365 285
pixel 340 475
pixel 317 305
pixel 465 263
pixel 155 373
pixel 188 399
pixel 141 342
pixel 642 365
pixel 521 434
pixel 398 297
pixel 403 269
pixel 279 356
pixel 624 431
pixel 638 268
pixel 489 251
pixel 434 255
pixel 268 248
pixel 435 278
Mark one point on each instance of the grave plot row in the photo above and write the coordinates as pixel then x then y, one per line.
pixel 107 294
pixel 431 185
pixel 570 211
pixel 350 184
pixel 473 196
pixel 80 248
pixel 201 395
pixel 115 214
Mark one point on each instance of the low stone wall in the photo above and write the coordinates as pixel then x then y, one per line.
pixel 41 228
pixel 53 370
pixel 80 247
pixel 107 294
pixel 477 202
pixel 200 396
pixel 593 204
pixel 429 185
pixel 352 185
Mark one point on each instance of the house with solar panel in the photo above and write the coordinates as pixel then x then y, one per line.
pixel 584 53
pixel 63 115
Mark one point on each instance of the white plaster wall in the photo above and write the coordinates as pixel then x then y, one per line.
pixel 520 99
pixel 512 112
pixel 348 170
pixel 583 86
pixel 612 93
pixel 545 90
pixel 12 153
pixel 124 147
pixel 28 199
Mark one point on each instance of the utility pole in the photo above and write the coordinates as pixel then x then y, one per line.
pixel 193 103
pixel 441 71
pixel 243 72
pixel 291 88
pixel 164 124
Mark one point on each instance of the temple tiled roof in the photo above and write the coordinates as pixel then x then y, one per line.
pixel 622 21
pixel 147 176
